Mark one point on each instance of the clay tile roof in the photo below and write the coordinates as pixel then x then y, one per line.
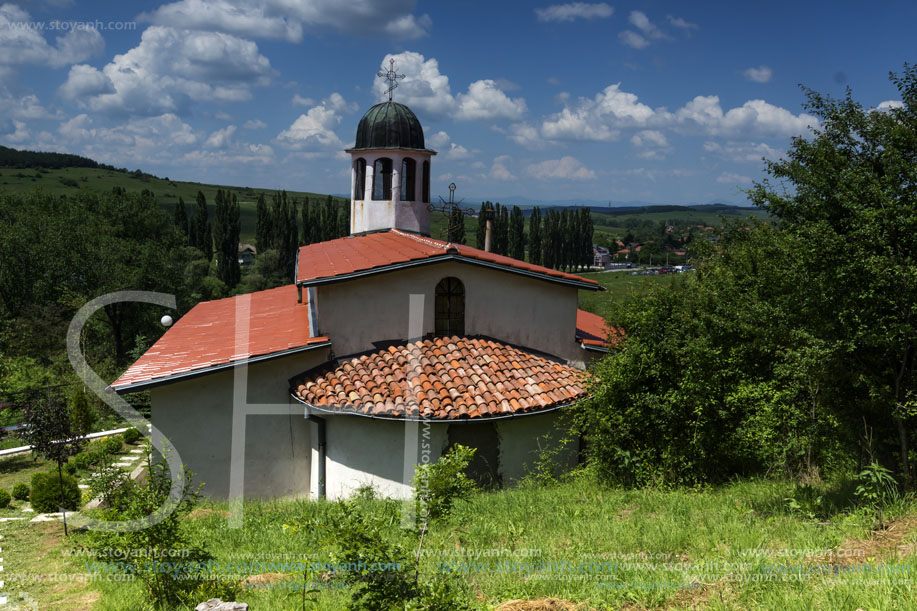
pixel 591 330
pixel 381 251
pixel 206 337
pixel 514 394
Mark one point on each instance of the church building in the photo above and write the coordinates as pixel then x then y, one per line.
pixel 387 347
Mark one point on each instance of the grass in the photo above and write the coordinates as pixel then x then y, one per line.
pixel 736 546
pixel 620 286
pixel 62 181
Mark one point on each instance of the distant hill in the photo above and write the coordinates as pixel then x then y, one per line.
pixel 13 158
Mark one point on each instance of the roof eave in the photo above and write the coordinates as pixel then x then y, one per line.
pixel 337 412
pixel 448 257
pixel 186 375
pixel 389 148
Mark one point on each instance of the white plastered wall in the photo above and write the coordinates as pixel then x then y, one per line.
pixel 509 307
pixel 367 214
pixel 196 416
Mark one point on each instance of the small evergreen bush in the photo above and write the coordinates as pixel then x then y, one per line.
pixel 4 498
pixel 21 491
pixel 113 444
pixel 46 492
pixel 131 435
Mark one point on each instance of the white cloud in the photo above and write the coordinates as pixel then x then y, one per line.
pixel 889 104
pixel 574 10
pixel 439 139
pixel 499 171
pixel 602 117
pixel 221 138
pixel 567 168
pixel 651 143
pixel 284 19
pixel 633 40
pixel 313 131
pixel 525 134
pixel 337 103
pixel 254 124
pixel 484 101
pixel 456 152
pixel 743 151
pixel 21 45
pixel 639 20
pixel 245 19
pixel 169 70
pixel 298 100
pixel 428 90
pixel 680 23
pixel 728 178
pixel 20 134
pixel 761 74
pixel 145 141
pixel 423 87
pixel 84 80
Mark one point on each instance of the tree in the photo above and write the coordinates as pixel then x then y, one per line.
pixel 226 228
pixel 516 241
pixel 854 182
pixel 48 429
pixel 181 217
pixel 535 239
pixel 82 416
pixel 456 229
pixel 263 230
pixel 481 233
pixel 201 235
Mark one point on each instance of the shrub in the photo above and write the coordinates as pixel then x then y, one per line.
pixel 70 468
pixel 438 485
pixel 82 460
pixel 112 485
pixel 4 498
pixel 113 444
pixel 131 435
pixel 21 491
pixel 46 492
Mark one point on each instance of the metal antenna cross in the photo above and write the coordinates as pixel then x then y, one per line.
pixel 391 76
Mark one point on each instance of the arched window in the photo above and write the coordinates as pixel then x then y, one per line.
pixel 359 184
pixel 450 307
pixel 382 178
pixel 426 182
pixel 408 171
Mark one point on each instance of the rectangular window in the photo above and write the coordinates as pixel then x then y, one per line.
pixel 382 179
pixel 408 170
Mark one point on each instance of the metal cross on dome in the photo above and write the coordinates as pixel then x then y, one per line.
pixel 391 76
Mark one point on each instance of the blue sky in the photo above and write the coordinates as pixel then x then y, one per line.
pixel 666 102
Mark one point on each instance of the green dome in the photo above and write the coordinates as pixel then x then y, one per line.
pixel 389 125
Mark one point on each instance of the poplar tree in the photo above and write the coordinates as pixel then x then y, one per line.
pixel 263 229
pixel 226 230
pixel 456 233
pixel 181 217
pixel 535 237
pixel 517 234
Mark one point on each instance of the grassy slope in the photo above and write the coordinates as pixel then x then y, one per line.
pixel 618 287
pixel 167 191
pixel 604 547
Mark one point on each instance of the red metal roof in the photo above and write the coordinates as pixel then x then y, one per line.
pixel 380 250
pixel 445 378
pixel 207 336
pixel 592 330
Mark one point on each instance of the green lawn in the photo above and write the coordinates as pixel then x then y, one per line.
pixel 739 546
pixel 620 286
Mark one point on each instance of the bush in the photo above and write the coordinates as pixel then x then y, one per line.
pixel 82 460
pixel 113 444
pixel 21 491
pixel 438 485
pixel 4 498
pixel 46 492
pixel 132 435
pixel 70 468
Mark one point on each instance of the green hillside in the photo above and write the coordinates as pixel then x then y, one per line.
pixel 72 180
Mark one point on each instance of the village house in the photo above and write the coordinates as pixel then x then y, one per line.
pixel 387 347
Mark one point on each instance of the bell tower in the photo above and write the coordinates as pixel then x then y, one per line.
pixel 390 169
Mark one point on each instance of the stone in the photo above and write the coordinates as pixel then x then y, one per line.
pixel 215 604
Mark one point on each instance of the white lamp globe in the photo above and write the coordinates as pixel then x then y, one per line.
pixel 166 321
